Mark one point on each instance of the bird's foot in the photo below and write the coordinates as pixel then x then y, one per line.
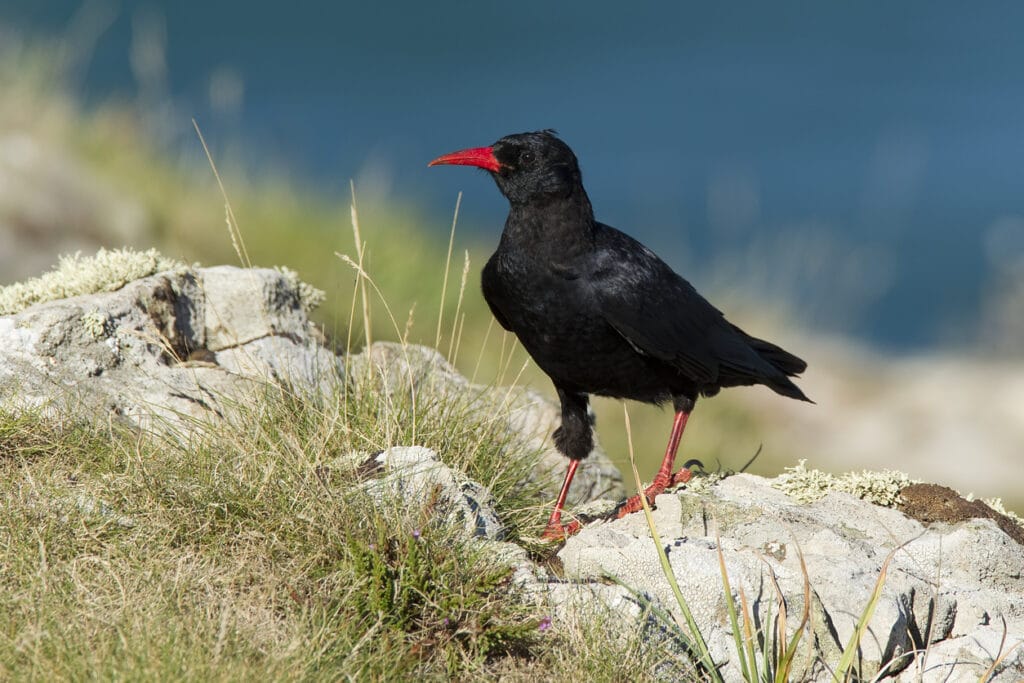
pixel 557 531
pixel 681 477
pixel 630 506
pixel 660 484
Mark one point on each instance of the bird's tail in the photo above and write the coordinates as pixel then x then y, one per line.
pixel 781 359
pixel 787 365
pixel 747 360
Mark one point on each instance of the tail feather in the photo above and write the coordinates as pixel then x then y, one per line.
pixel 781 359
pixel 785 386
pixel 785 363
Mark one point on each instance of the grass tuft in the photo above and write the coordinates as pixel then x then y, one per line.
pixel 254 550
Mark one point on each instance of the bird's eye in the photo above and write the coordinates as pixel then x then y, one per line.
pixel 526 157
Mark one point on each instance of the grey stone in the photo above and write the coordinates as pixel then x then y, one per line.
pixel 946 587
pixel 164 351
pixel 417 473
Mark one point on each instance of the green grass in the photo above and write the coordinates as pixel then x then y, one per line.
pixel 256 551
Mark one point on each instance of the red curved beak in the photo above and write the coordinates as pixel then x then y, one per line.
pixel 481 157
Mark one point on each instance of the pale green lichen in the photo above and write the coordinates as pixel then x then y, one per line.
pixel 76 275
pixel 881 488
pixel 309 296
pixel 95 323
pixel 703 482
pixel 806 486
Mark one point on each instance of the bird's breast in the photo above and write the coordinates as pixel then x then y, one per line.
pixel 538 299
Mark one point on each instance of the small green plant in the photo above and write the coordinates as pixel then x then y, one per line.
pixel 421 578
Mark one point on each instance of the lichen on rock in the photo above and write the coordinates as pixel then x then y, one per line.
pixel 808 485
pixel 75 275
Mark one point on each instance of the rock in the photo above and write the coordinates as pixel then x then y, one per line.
pixel 165 350
pixel 946 586
pixel 966 659
pixel 417 473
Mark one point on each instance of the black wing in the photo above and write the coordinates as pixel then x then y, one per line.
pixel 661 315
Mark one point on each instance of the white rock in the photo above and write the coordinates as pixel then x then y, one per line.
pixel 948 587
pixel 415 473
pixel 142 354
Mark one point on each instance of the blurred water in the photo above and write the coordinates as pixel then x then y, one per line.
pixel 851 159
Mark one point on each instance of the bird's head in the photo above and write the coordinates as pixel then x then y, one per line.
pixel 526 166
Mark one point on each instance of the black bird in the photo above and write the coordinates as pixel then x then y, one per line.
pixel 600 313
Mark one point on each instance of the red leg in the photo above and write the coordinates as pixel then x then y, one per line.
pixel 554 530
pixel 664 478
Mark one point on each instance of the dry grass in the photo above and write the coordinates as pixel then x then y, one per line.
pixel 253 552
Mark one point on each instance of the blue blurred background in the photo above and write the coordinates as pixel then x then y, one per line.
pixel 858 161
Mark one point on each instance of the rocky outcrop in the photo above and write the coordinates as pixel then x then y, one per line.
pixel 948 590
pixel 165 350
pixel 183 345
pixel 951 604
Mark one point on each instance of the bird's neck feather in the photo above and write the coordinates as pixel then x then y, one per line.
pixel 560 225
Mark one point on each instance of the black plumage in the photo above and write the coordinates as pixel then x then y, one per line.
pixel 599 312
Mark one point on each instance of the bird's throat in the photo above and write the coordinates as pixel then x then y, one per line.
pixel 562 225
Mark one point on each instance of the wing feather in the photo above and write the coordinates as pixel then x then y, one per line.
pixel 659 313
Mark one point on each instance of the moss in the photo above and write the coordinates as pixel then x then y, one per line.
pixel 881 488
pixel 997 505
